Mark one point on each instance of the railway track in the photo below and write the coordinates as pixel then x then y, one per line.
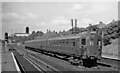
pixel 103 62
pixel 110 62
pixel 43 64
pixel 40 65
pixel 22 70
pixel 32 57
pixel 99 64
pixel 24 65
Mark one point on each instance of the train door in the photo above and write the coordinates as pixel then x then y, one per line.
pixel 82 46
pixel 92 45
pixel 95 46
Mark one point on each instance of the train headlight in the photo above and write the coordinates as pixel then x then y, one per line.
pixel 92 58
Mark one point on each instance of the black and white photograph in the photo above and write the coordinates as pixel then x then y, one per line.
pixel 59 36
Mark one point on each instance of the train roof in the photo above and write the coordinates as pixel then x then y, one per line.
pixel 36 40
pixel 69 36
pixel 84 34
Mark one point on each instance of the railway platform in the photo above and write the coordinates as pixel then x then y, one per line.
pixel 13 62
pixel 110 57
pixel 8 64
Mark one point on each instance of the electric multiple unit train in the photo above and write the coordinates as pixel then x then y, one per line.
pixel 86 47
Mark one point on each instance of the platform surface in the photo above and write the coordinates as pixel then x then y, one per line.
pixel 7 62
pixel 110 57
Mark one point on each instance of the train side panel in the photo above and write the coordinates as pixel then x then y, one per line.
pixel 66 46
pixel 86 45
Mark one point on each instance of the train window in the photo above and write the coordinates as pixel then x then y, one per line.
pixel 60 42
pixel 54 42
pixel 83 41
pixel 98 42
pixel 91 42
pixel 66 42
pixel 73 43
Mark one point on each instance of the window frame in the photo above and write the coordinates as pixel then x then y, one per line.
pixel 84 41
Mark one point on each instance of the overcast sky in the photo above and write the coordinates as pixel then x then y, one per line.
pixel 55 15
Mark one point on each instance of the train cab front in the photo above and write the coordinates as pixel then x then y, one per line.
pixel 92 50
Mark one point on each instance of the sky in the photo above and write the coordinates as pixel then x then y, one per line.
pixel 54 15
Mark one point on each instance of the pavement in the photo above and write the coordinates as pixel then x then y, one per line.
pixel 7 62
pixel 27 66
pixel 110 57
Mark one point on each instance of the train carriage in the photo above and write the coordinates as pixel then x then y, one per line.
pixel 84 46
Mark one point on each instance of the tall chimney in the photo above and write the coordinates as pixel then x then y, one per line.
pixel 75 23
pixel 27 30
pixel 72 22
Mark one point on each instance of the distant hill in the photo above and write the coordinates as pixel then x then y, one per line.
pixel 111 31
pixel 111 38
pixel 34 34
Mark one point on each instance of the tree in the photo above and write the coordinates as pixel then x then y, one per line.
pixel 33 32
pixel 106 40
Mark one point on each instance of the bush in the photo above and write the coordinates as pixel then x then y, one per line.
pixel 106 41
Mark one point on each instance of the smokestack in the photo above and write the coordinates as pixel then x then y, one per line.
pixel 72 22
pixel 75 23
pixel 27 30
